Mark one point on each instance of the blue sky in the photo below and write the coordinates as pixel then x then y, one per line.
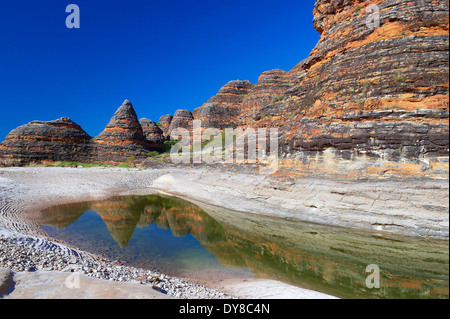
pixel 161 55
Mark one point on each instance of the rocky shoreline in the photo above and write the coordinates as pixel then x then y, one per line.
pixel 27 249
pixel 20 257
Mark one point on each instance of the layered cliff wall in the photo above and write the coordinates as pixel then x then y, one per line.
pixel 369 90
pixel 393 77
pixel 372 95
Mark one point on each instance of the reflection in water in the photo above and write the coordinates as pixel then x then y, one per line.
pixel 320 258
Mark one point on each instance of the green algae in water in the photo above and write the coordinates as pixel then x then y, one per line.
pixel 182 239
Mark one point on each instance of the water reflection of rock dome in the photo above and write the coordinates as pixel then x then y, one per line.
pixel 324 259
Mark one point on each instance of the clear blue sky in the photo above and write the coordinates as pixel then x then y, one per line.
pixel 161 55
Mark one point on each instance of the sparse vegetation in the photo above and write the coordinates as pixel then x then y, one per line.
pixel 263 115
pixel 153 154
pixel 278 99
pixel 169 144
pixel 400 79
pixel 77 164
pixel 222 136
pixel 366 88
pixel 131 159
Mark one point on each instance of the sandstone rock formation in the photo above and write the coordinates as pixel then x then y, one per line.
pixel 164 123
pixel 365 90
pixel 124 128
pixel 182 119
pixel 152 132
pixel 223 109
pixel 368 92
pixel 64 140
pixel 123 137
pixel 271 85
pixel 45 141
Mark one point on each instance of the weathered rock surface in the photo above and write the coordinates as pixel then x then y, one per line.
pixel 64 140
pixel 369 94
pixel 164 123
pixel 57 285
pixel 152 132
pixel 38 141
pixel 223 109
pixel 124 128
pixel 123 137
pixel 182 119
pixel 366 205
pixel 271 85
pixel 380 90
pixel 6 281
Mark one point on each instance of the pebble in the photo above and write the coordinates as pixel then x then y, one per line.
pixel 20 258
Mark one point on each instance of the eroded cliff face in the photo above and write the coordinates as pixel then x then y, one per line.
pixel 370 92
pixel 223 109
pixel 372 95
pixel 271 85
pixel 359 72
pixel 164 123
pixel 181 120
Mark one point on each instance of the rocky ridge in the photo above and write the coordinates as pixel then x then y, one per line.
pixel 223 109
pixel 64 140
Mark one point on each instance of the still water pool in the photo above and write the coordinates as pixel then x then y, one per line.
pixel 182 239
